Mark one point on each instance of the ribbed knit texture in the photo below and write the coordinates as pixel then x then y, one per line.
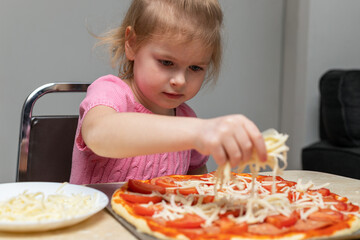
pixel 87 167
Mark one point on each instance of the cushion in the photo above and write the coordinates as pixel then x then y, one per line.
pixel 324 157
pixel 340 107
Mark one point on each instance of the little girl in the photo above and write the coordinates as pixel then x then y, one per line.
pixel 137 125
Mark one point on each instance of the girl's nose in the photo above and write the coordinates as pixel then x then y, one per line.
pixel 178 80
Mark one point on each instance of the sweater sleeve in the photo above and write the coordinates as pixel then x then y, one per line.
pixel 108 91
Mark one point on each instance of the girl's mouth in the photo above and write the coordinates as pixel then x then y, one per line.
pixel 173 95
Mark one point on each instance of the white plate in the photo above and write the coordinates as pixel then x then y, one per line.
pixel 9 190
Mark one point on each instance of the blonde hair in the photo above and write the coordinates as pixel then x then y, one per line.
pixel 184 20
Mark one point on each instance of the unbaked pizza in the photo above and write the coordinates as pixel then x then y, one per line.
pixel 224 205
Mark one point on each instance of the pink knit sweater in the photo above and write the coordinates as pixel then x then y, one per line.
pixel 87 167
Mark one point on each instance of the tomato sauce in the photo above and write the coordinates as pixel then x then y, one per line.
pixel 224 231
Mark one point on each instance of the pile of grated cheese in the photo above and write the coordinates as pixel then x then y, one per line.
pixel 28 207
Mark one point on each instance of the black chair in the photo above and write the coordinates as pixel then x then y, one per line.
pixel 338 150
pixel 46 142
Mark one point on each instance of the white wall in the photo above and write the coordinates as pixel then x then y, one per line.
pixel 319 35
pixel 45 41
pixel 250 80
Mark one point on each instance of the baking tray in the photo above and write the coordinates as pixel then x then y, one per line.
pixel 110 188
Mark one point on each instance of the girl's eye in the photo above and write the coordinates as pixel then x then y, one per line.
pixel 196 68
pixel 166 62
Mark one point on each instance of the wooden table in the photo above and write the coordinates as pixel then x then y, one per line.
pixel 104 226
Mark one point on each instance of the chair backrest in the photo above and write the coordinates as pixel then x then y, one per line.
pixel 46 142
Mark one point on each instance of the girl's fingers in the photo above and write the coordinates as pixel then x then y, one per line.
pixel 257 140
pixel 232 138
pixel 245 145
pixel 233 151
pixel 219 155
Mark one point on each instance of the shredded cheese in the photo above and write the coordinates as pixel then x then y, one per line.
pixel 245 194
pixel 35 206
pixel 276 151
pixel 235 195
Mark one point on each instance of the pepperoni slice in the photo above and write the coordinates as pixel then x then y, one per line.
pixel 323 191
pixel 327 215
pixel 164 182
pixel 188 221
pixel 205 199
pixel 281 221
pixel 266 229
pixel 148 210
pixel 169 182
pixel 308 225
pixel 229 226
pixel 139 186
pixel 133 198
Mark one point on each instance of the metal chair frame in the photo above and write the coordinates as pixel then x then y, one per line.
pixel 26 120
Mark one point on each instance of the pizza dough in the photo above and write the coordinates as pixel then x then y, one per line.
pixel 229 205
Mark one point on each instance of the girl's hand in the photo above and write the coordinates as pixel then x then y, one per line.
pixel 231 138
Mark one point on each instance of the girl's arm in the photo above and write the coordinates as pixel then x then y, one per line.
pixel 119 135
pixel 230 138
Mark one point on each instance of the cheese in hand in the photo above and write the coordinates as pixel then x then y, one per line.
pixel 276 152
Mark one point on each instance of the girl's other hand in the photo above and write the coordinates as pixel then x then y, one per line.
pixel 231 138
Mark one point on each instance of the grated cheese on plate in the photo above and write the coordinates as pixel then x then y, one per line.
pixel 36 206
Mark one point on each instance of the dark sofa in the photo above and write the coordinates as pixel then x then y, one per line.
pixel 338 150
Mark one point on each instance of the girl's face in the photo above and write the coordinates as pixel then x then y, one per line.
pixel 168 73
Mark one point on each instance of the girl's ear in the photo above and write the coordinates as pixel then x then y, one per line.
pixel 130 43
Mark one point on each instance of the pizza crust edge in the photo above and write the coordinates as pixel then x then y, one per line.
pixel 354 226
pixel 139 223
